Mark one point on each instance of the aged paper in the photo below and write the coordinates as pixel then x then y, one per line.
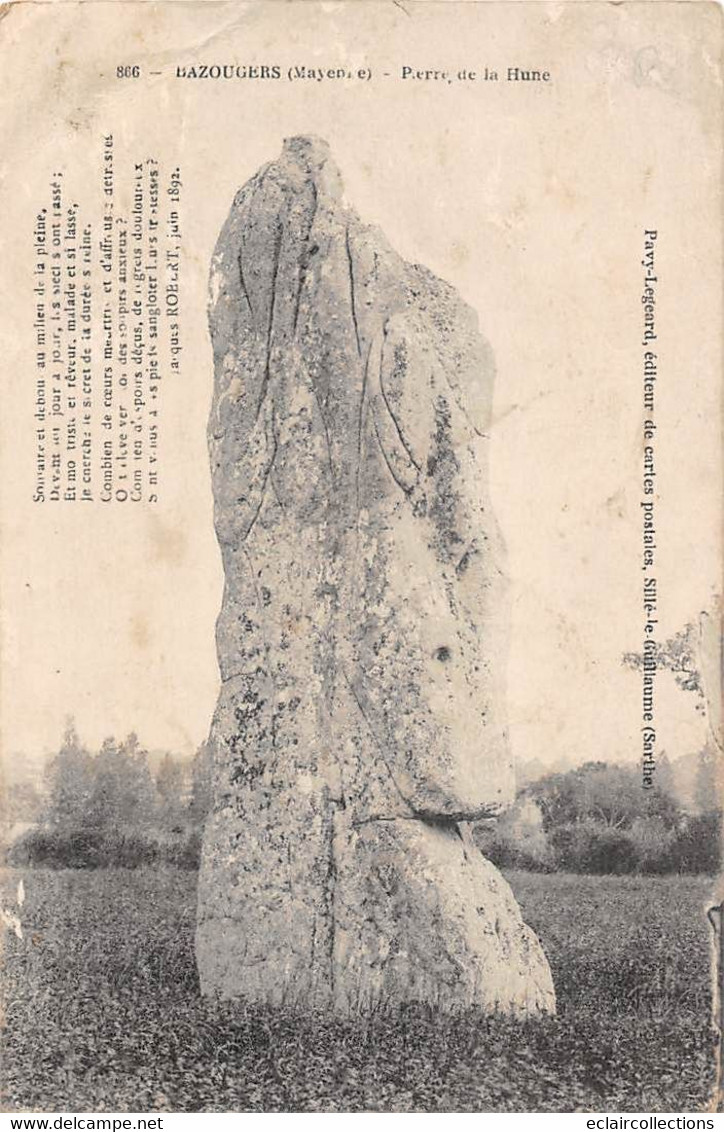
pixel 559 165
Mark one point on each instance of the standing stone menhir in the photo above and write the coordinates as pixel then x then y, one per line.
pixel 362 637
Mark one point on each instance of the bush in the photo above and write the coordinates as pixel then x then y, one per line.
pixel 185 853
pixel 58 849
pixel 647 846
pixel 697 848
pixel 609 851
pixel 502 850
pixel 652 841
pixel 98 849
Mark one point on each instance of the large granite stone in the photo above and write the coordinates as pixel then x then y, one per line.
pixel 362 637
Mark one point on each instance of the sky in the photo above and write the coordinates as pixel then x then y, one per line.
pixel 510 195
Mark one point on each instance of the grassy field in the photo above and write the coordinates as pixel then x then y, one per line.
pixel 102 1012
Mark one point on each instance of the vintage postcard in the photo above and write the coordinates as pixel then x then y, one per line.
pixel 360 686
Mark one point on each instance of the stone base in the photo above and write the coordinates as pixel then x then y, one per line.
pixel 407 911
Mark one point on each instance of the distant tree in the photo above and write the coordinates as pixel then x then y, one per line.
pixel 170 783
pixel 123 794
pixel 697 848
pixel 141 793
pixel 652 839
pixel 21 802
pixel 707 784
pixel 104 804
pixel 681 655
pixel 71 775
pixel 665 776
pixel 598 792
pixel 201 784
pixel 694 657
